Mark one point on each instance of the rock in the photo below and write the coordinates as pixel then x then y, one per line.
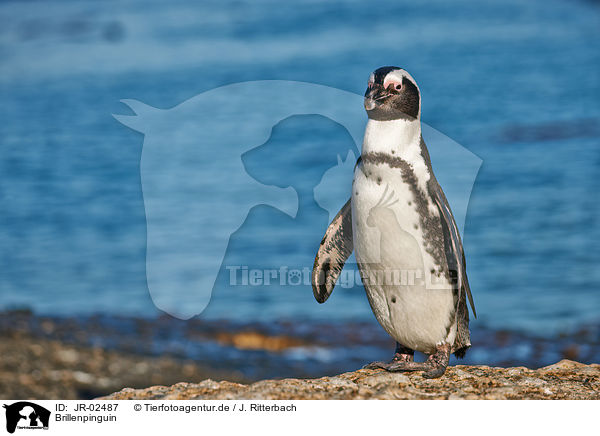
pixel 565 380
pixel 563 364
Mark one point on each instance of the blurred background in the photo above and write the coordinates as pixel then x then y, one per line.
pixel 516 83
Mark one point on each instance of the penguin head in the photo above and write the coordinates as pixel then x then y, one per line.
pixel 392 94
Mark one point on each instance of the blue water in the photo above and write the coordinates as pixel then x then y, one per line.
pixel 516 83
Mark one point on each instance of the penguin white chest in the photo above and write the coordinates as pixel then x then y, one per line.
pixel 391 248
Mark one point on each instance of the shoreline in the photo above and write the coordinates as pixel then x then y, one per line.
pixel 86 357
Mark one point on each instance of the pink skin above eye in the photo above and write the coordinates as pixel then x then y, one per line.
pixel 393 83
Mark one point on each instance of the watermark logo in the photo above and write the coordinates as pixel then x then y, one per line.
pixel 200 182
pixel 25 415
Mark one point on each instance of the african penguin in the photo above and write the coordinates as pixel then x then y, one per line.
pixel 401 228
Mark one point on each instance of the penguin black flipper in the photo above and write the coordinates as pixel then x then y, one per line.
pixel 455 255
pixel 336 247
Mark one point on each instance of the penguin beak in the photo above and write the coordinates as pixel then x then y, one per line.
pixel 374 97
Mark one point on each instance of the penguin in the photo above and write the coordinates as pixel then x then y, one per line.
pixel 401 228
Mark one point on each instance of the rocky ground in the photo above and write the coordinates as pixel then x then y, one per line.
pixel 565 380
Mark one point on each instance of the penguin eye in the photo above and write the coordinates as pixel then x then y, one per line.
pixel 398 86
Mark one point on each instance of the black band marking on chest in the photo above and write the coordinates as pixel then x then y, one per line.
pixel 433 233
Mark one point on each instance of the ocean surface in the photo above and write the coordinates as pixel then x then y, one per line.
pixel 514 83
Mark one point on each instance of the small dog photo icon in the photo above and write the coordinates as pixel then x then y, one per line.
pixel 26 415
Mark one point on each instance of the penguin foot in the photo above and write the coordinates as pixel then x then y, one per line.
pixel 401 355
pixel 399 366
pixel 438 362
pixel 434 367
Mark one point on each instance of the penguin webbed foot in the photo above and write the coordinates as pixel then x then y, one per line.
pixel 438 362
pixel 434 367
pixel 399 366
pixel 401 356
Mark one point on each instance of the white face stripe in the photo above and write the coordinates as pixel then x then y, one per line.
pixel 396 76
